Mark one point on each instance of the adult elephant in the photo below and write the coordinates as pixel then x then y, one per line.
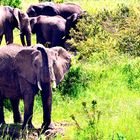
pixel 11 18
pixel 25 70
pixel 51 9
pixel 52 30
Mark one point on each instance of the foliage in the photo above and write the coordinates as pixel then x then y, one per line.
pixel 7 105
pixel 132 75
pixel 74 82
pixel 13 3
pixel 92 118
pixel 129 44
pixel 106 28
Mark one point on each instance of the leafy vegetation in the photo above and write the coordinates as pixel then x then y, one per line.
pixel 75 81
pixel 100 94
pixel 13 3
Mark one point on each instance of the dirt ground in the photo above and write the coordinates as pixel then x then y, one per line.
pixel 14 131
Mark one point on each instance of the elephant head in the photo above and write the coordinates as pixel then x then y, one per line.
pixel 59 63
pixel 70 23
pixel 36 62
pixel 57 58
pixel 33 21
pixel 23 23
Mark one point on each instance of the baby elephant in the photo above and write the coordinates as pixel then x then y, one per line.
pixel 52 30
pixel 25 70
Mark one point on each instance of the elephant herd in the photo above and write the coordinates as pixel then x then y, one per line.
pixel 50 22
pixel 26 70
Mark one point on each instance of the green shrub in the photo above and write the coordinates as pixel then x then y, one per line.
pixel 115 30
pixel 129 44
pixel 7 104
pixel 92 117
pixel 13 3
pixel 132 78
pixel 89 36
pixel 75 81
pixel 114 20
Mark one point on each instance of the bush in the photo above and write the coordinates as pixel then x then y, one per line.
pixel 131 72
pixel 92 117
pixel 89 36
pixel 111 31
pixel 13 3
pixel 7 104
pixel 75 81
pixel 129 44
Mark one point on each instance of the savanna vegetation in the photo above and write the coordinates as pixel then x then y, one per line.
pixel 99 99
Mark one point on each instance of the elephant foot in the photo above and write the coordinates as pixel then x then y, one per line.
pixel 19 120
pixel 2 122
pixel 28 126
pixel 44 128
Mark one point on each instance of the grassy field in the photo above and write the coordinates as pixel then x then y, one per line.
pixel 102 91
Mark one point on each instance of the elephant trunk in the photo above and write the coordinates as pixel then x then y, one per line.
pixel 28 39
pixel 44 72
pixel 22 39
pixel 46 92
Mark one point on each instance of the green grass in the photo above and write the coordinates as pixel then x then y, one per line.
pixel 113 81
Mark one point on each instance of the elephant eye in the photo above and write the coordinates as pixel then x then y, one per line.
pixel 35 65
pixel 54 62
pixel 68 58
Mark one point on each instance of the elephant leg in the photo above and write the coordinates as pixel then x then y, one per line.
pixel 1 38
pixel 28 110
pixel 58 39
pixel 9 36
pixel 40 39
pixel 1 112
pixel 16 112
pixel 46 95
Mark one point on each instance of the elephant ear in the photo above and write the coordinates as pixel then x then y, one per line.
pixel 16 14
pixel 33 22
pixel 21 17
pixel 23 25
pixel 28 62
pixel 72 20
pixel 50 10
pixel 61 63
pixel 31 11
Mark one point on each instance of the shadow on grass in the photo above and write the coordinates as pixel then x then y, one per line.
pixel 14 131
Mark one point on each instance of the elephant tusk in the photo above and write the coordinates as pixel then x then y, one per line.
pixel 53 84
pixel 39 85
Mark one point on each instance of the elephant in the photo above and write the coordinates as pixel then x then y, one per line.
pixel 52 30
pixel 51 9
pixel 26 70
pixel 14 18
